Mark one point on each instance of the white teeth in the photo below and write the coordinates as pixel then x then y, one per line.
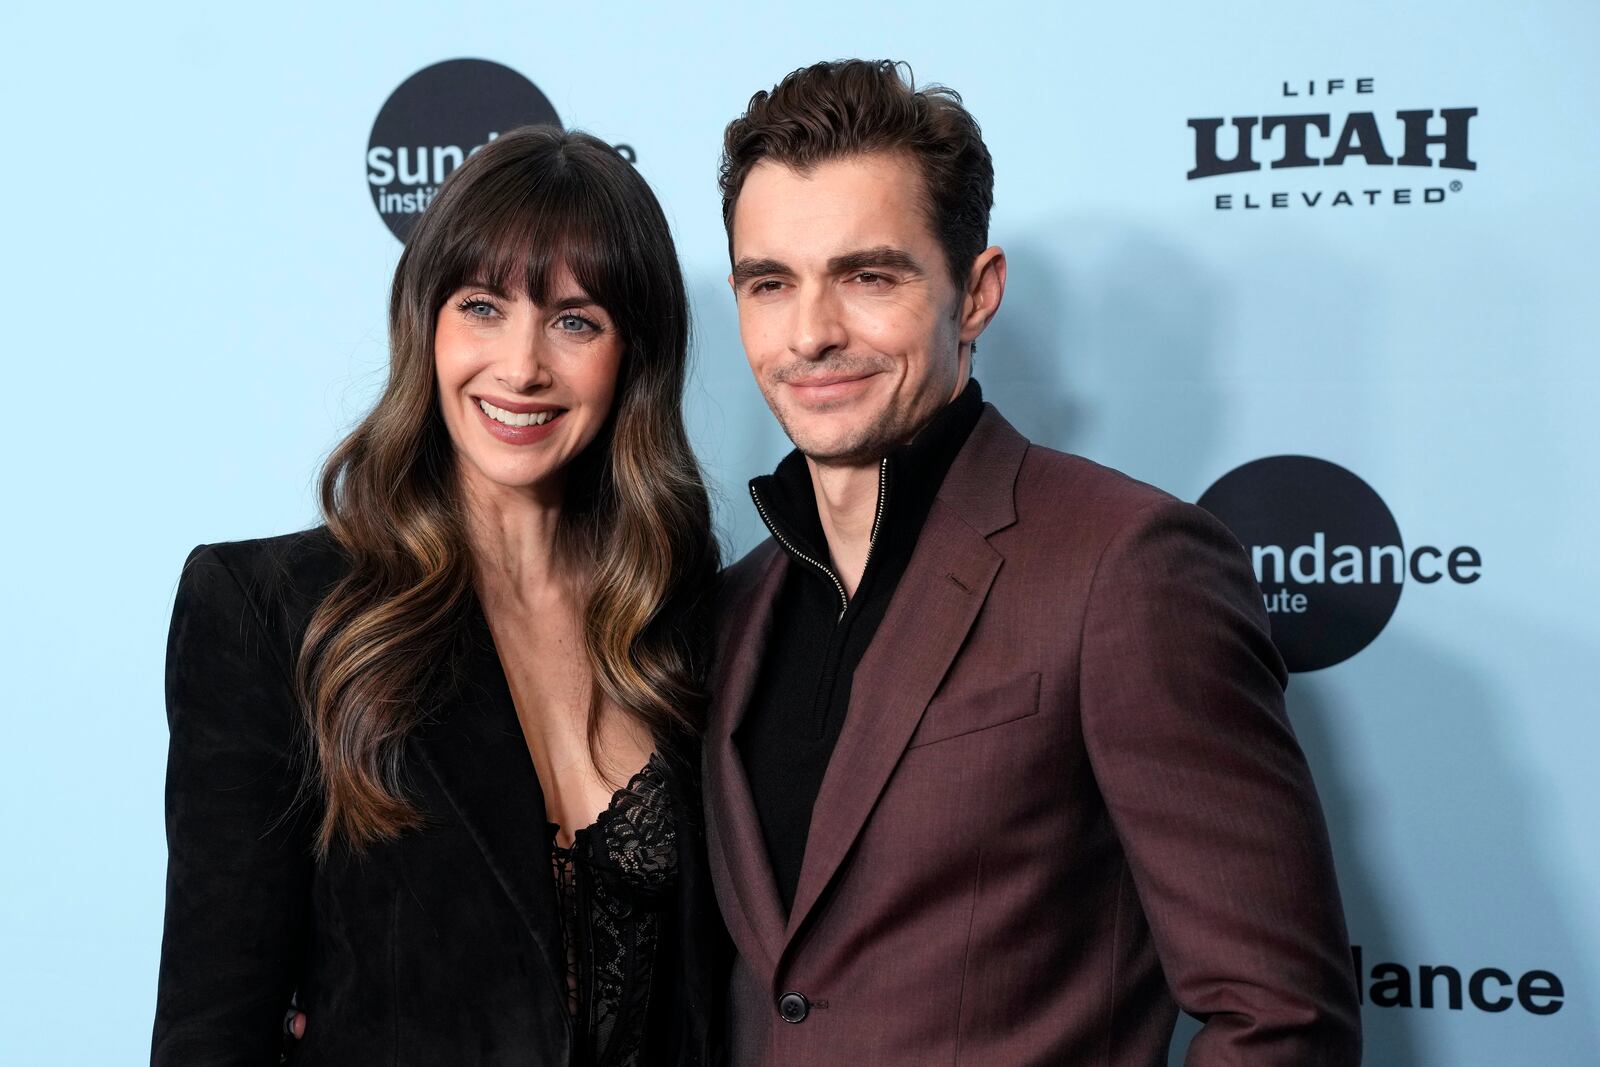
pixel 511 418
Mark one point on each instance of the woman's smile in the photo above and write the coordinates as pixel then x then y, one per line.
pixel 519 424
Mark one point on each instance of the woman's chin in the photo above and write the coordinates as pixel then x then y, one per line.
pixel 495 474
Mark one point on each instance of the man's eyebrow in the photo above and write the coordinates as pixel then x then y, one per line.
pixel 748 268
pixel 866 258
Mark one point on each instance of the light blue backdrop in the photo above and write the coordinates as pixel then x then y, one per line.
pixel 197 281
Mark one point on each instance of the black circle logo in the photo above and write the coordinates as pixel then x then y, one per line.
pixel 1325 548
pixel 433 121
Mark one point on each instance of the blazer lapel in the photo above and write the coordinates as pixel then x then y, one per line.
pixel 476 751
pixel 937 600
pixel 738 852
pixel 934 606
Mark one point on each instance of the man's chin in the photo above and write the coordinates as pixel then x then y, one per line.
pixel 863 446
pixel 837 437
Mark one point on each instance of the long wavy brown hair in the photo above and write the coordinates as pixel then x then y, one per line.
pixel 635 514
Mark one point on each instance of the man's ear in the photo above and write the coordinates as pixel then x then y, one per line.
pixel 731 284
pixel 986 287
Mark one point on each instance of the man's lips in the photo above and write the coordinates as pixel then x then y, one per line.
pixel 832 379
pixel 830 387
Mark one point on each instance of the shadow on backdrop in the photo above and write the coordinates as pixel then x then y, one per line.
pixel 1472 829
pixel 1105 346
pixel 735 439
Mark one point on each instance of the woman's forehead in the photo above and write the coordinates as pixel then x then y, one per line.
pixel 542 267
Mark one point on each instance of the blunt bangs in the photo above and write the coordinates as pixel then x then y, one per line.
pixel 519 222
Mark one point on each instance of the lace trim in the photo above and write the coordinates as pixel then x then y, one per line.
pixel 608 885
pixel 639 835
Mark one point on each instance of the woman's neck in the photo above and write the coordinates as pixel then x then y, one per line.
pixel 515 542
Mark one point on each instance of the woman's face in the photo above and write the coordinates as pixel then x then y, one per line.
pixel 524 387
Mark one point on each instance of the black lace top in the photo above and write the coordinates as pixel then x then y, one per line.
pixel 611 884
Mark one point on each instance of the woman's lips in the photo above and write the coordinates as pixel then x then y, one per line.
pixel 516 407
pixel 532 433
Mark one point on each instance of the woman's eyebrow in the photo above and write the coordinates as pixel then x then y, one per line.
pixel 488 287
pixel 573 300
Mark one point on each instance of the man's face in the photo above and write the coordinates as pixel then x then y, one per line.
pixel 847 310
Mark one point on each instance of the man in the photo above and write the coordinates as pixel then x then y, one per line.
pixel 997 769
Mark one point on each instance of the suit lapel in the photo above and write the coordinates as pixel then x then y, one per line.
pixel 738 852
pixel 934 606
pixel 476 750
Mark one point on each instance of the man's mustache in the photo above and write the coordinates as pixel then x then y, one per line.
pixel 802 371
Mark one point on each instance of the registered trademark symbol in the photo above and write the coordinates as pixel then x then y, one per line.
pixel 1455 187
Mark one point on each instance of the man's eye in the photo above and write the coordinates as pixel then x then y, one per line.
pixel 766 285
pixel 870 277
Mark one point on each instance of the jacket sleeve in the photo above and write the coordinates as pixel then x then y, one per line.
pixel 239 864
pixel 1211 796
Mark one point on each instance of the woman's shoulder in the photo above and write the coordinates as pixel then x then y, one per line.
pixel 283 577
pixel 299 558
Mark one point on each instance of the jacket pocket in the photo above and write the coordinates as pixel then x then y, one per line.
pixel 957 714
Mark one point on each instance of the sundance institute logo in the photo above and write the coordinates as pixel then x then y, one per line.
pixel 1322 124
pixel 1327 553
pixel 433 121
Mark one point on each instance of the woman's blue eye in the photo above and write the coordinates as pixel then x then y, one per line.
pixel 478 309
pixel 573 323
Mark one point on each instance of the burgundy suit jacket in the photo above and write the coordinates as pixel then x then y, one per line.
pixel 1065 802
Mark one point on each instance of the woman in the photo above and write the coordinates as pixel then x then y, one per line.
pixel 432 764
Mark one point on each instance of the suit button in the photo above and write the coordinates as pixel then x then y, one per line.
pixel 793 1007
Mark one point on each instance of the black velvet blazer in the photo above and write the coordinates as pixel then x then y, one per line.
pixel 441 947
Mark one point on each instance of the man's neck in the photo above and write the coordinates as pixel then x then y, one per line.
pixel 847 505
pixel 847 502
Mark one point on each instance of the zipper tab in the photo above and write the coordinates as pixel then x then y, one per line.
pixel 761 509
pixel 872 538
pixel 877 517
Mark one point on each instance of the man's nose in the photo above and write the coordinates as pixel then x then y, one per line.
pixel 818 329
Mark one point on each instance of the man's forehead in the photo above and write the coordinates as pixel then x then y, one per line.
pixel 835 208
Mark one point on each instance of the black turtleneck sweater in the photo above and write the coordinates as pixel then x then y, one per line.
pixel 818 636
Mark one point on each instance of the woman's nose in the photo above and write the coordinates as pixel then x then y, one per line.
pixel 524 369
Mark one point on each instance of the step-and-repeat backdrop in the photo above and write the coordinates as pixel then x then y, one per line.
pixel 1330 272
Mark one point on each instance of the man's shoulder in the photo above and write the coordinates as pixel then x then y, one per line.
pixel 1092 511
pixel 735 586
pixel 738 580
pixel 1052 485
pixel 1004 480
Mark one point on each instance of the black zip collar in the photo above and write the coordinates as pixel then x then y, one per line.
pixel 908 480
